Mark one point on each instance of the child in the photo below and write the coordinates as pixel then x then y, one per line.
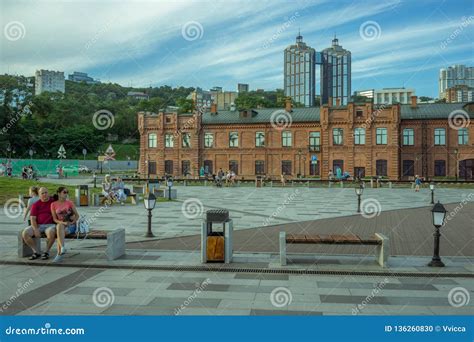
pixel 417 183
pixel 34 197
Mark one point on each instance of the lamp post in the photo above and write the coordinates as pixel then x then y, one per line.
pixel 95 180
pixel 31 152
pixel 170 184
pixel 359 191
pixel 439 214
pixel 149 201
pixel 299 163
pixel 432 187
pixel 304 166
pixel 456 151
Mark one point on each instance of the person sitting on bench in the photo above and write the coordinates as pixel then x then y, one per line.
pixel 107 191
pixel 119 188
pixel 65 216
pixel 41 222
pixel 33 193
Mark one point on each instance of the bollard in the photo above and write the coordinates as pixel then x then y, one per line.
pixel 342 184
pixel 372 183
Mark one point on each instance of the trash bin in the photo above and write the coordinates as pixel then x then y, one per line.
pixel 216 237
pixel 82 195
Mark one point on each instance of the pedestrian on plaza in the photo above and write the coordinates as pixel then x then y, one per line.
pixel 34 197
pixel 41 222
pixel 282 180
pixel 417 183
pixel 65 216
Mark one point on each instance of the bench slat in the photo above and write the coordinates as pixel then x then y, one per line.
pixel 93 234
pixel 337 239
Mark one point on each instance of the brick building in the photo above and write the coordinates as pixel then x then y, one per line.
pixel 396 141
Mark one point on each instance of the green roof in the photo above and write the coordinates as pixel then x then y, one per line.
pixel 307 114
pixel 311 114
pixel 431 110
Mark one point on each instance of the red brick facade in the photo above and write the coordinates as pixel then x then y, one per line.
pixel 385 151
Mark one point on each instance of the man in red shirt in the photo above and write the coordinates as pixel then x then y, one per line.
pixel 41 222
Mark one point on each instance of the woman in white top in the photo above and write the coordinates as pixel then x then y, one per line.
pixel 107 190
pixel 34 197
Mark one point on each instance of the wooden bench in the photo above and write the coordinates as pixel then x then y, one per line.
pixel 100 197
pixel 379 240
pixel 115 242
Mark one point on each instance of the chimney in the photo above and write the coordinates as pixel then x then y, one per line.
pixel 288 104
pixel 330 102
pixel 338 102
pixel 213 108
pixel 413 101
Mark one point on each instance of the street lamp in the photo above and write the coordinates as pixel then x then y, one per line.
pixel 359 191
pixel 456 151
pixel 31 152
pixel 299 163
pixel 149 201
pixel 439 214
pixel 170 184
pixel 432 187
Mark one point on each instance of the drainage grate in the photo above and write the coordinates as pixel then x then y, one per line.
pixel 212 268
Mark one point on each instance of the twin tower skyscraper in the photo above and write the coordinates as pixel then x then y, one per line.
pixel 300 61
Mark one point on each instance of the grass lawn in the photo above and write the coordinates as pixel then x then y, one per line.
pixel 12 187
pixel 122 151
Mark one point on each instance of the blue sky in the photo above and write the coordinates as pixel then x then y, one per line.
pixel 222 43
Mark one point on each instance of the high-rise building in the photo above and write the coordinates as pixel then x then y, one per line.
pixel 335 74
pixel 455 75
pixel 242 87
pixel 224 99
pixel 459 93
pixel 46 80
pixel 201 98
pixel 299 65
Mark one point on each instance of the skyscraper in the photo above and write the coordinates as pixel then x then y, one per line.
pixel 299 66
pixel 455 75
pixel 335 74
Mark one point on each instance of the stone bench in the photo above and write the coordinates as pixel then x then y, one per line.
pixel 115 242
pixel 98 198
pixel 381 241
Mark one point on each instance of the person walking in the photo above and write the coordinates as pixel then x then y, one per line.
pixel 417 183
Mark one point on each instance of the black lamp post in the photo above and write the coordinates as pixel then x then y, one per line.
pixel 432 187
pixel 456 151
pixel 149 201
pixel 359 191
pixel 95 180
pixel 439 214
pixel 170 184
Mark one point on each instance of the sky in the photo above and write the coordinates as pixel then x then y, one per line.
pixel 203 44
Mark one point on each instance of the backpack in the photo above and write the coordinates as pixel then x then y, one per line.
pixel 82 226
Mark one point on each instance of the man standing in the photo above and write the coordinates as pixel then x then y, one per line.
pixel 41 222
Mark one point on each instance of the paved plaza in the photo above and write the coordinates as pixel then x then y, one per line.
pixel 164 275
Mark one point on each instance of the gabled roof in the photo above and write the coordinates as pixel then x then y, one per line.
pixel 307 114
pixel 431 110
